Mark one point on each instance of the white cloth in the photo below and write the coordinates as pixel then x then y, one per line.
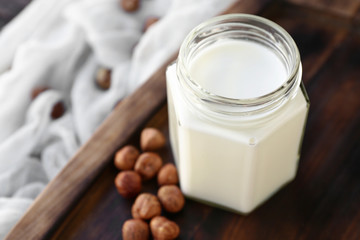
pixel 60 44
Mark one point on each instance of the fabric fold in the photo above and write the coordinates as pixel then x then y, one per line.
pixel 61 44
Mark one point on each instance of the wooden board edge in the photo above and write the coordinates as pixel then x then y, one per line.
pixel 60 195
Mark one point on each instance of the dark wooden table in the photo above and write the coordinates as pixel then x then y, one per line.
pixel 323 202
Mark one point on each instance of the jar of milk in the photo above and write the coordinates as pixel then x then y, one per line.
pixel 237 111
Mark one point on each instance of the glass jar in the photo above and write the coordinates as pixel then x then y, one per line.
pixel 237 111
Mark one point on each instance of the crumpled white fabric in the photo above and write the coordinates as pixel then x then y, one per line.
pixel 61 44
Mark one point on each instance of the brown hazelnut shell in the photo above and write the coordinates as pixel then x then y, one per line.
pixel 126 157
pixel 151 139
pixel 168 175
pixel 164 229
pixel 171 198
pixel 135 229
pixel 146 206
pixel 148 164
pixel 128 183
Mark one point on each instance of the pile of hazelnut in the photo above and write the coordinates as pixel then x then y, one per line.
pixel 137 167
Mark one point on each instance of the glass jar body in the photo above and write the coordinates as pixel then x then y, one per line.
pixel 234 161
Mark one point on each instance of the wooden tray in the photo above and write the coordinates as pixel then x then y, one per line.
pixel 322 203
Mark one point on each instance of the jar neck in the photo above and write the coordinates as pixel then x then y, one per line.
pixel 246 28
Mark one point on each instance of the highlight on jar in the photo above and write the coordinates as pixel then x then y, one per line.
pixel 237 111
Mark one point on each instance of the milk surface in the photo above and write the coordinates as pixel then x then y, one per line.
pixel 238 69
pixel 235 166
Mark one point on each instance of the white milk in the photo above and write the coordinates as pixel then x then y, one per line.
pixel 238 69
pixel 235 166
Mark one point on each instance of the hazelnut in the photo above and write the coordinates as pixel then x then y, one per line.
pixel 148 164
pixel 151 139
pixel 125 158
pixel 58 110
pixel 128 183
pixel 171 198
pixel 146 206
pixel 103 78
pixel 168 175
pixel 36 91
pixel 135 229
pixel 130 5
pixel 150 21
pixel 164 229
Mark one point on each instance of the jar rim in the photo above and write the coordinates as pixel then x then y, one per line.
pixel 252 105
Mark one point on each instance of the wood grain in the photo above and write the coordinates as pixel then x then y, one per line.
pixel 356 22
pixel 316 34
pixel 62 192
pixel 53 204
pixel 343 8
pixel 300 210
pixel 333 206
pixel 94 211
pixel 323 202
